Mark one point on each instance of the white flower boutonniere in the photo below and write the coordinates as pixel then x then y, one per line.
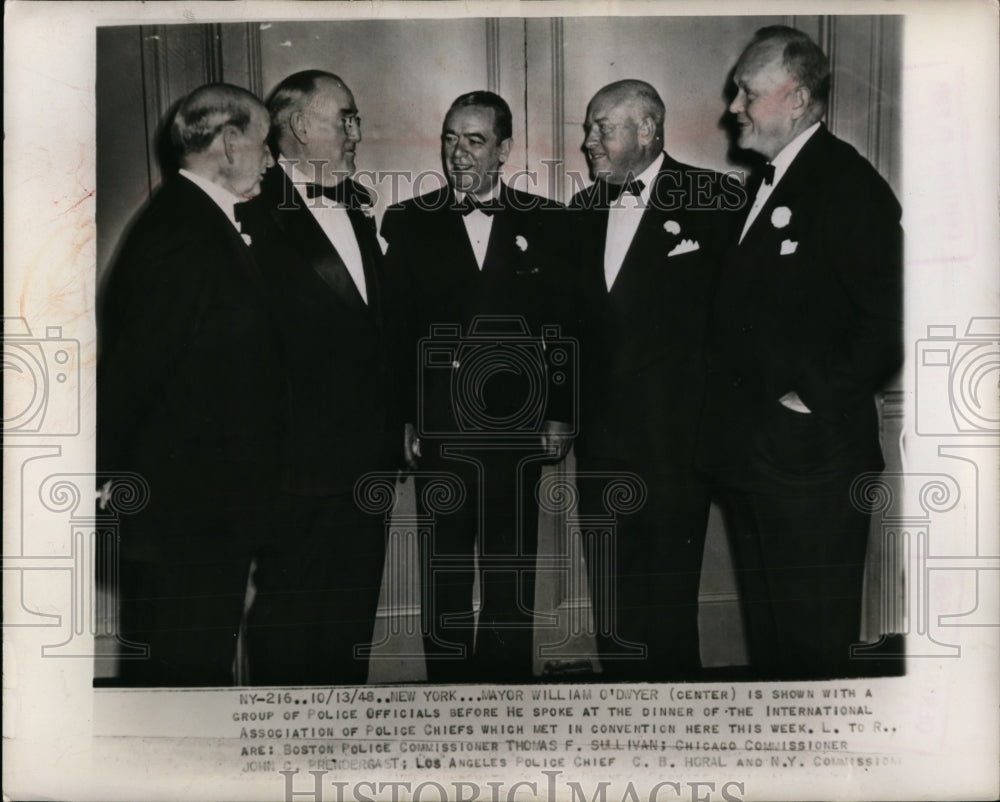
pixel 672 227
pixel 781 217
pixel 368 211
pixel 521 243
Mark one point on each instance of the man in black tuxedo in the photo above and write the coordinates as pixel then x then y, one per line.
pixel 806 328
pixel 190 396
pixel 315 239
pixel 647 234
pixel 478 259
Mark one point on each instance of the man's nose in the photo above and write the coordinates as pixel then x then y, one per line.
pixel 737 105
pixel 269 160
pixel 590 138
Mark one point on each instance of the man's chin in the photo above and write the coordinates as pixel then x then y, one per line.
pixel 468 184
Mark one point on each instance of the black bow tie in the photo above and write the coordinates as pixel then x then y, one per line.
pixel 767 173
pixel 471 203
pixel 342 193
pixel 633 187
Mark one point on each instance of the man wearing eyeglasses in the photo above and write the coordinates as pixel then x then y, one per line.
pixel 646 237
pixel 312 231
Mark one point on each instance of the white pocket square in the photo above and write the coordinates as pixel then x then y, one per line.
pixel 788 247
pixel 684 246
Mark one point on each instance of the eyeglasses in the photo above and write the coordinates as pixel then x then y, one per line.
pixel 348 122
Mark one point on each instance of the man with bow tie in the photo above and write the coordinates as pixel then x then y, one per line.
pixel 805 329
pixel 312 233
pixel 484 402
pixel 190 397
pixel 646 233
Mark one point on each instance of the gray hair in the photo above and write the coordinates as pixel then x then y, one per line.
pixel 203 114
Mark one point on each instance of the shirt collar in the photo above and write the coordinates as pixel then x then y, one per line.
pixel 788 153
pixel 223 198
pixel 299 179
pixel 648 175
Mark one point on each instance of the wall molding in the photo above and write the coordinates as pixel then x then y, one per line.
pixel 212 52
pixel 493 55
pixel 255 70
pixel 557 184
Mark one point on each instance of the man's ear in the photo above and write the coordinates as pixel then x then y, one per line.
pixel 505 149
pixel 800 101
pixel 646 130
pixel 229 137
pixel 297 125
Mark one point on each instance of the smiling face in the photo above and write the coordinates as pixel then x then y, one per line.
pixel 470 150
pixel 617 140
pixel 769 102
pixel 332 131
pixel 249 155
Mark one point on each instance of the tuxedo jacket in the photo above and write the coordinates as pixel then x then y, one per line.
pixel 190 385
pixel 479 346
pixel 335 344
pixel 810 302
pixel 642 342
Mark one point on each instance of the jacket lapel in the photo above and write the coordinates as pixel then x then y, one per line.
pixel 796 181
pixel 290 214
pixel 646 235
pixel 502 234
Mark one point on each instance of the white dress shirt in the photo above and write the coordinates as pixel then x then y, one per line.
pixel 332 218
pixel 623 221
pixel 781 163
pixel 478 225
pixel 222 197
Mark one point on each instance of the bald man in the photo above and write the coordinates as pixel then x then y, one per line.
pixel 190 396
pixel 646 229
pixel 314 237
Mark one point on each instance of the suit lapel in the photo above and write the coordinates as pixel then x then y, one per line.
pixel 290 214
pixel 794 183
pixel 502 234
pixel 364 232
pixel 645 239
pixel 191 197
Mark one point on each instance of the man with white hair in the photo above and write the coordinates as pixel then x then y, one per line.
pixel 805 329
pixel 190 397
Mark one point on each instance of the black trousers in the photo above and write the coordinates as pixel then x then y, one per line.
pixel 317 594
pixel 187 612
pixel 499 515
pixel 644 568
pixel 799 556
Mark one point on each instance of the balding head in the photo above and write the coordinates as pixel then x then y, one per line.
pixel 314 119
pixel 782 82
pixel 624 130
pixel 220 133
